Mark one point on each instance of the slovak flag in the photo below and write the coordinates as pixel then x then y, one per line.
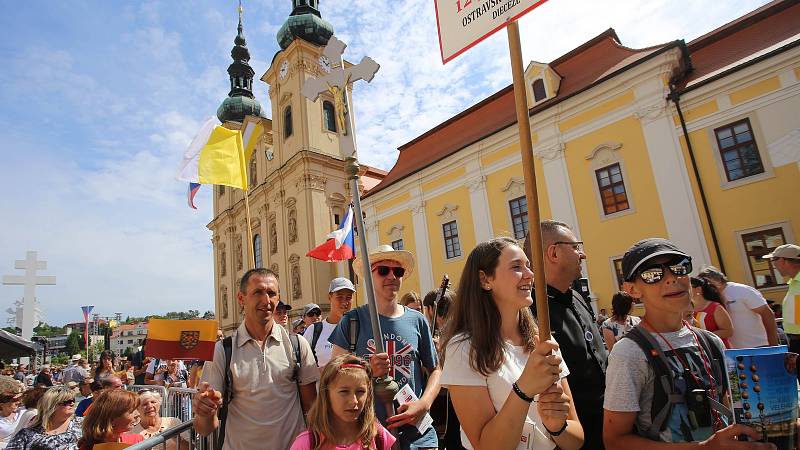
pixel 340 244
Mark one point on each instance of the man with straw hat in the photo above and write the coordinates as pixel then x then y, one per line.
pixel 407 339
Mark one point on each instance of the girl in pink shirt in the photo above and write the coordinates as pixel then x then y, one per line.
pixel 343 417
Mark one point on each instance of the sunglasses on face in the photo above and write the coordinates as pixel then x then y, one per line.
pixel 314 314
pixel 654 273
pixel 68 403
pixel 384 270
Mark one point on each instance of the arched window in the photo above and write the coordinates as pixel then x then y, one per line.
pixel 287 122
pixel 329 116
pixel 257 250
pixel 539 92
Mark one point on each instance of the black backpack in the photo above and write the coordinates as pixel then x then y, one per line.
pixel 227 396
pixel 665 394
pixel 315 338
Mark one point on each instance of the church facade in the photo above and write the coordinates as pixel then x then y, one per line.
pixel 612 159
pixel 298 188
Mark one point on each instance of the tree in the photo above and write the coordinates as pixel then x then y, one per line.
pixel 62 358
pixel 73 344
pixel 46 330
pixel 209 315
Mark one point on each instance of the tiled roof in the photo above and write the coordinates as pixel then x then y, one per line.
pixel 581 68
pixel 773 27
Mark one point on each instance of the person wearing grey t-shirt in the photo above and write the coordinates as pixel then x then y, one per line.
pixel 657 272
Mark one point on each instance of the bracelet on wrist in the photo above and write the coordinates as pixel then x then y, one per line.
pixel 525 397
pixel 556 433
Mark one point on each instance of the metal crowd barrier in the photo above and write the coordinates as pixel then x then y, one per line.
pixel 179 437
pixel 177 402
pixel 160 389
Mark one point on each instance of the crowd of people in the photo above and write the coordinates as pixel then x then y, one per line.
pixel 320 380
pixel 78 406
pixel 472 357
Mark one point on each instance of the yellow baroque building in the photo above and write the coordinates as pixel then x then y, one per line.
pixel 698 142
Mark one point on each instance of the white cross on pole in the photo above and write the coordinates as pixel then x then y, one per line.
pixel 30 280
pixel 336 82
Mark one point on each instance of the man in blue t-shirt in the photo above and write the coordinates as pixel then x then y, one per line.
pixel 407 340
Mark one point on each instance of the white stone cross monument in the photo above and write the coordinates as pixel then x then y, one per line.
pixel 30 280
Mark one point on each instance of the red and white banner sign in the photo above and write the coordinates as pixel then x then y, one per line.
pixel 464 23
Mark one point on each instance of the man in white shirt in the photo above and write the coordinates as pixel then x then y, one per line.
pixel 753 321
pixel 75 372
pixel 157 369
pixel 340 296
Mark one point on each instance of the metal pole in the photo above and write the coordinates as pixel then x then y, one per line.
pixel 385 387
pixel 351 167
pixel 528 171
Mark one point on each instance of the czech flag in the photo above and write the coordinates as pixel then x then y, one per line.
pixel 193 188
pixel 181 339
pixel 340 244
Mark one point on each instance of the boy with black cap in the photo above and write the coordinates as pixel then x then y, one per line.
pixel 666 381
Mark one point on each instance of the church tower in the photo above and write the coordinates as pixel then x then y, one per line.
pixel 298 188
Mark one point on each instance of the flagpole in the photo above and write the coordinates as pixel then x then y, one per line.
pixel 252 259
pixel 529 173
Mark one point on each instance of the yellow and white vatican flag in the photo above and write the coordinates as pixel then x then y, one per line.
pixel 215 156
pixel 251 133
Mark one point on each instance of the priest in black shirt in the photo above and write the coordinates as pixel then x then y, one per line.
pixel 572 323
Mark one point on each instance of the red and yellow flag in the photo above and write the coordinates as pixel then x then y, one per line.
pixel 181 339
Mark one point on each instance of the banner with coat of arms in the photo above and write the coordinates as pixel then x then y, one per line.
pixel 181 339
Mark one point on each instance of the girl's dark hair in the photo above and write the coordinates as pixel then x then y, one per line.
pixel 106 354
pixel 621 305
pixel 708 290
pixel 475 315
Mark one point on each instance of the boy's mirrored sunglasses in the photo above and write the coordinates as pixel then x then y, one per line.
pixel 384 270
pixel 654 273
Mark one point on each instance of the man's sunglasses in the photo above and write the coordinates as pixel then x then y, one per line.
pixel 654 273
pixel 314 313
pixel 384 270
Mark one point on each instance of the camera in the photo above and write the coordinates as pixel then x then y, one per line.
pixel 699 408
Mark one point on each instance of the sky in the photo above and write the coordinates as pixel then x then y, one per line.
pixel 99 99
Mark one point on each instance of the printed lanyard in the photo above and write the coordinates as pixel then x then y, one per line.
pixel 685 364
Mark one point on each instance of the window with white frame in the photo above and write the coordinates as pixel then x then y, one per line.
pixel 452 246
pixel 397 244
pixel 758 244
pixel 539 92
pixel 738 150
pixel 519 216
pixel 611 186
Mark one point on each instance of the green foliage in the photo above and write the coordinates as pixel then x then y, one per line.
pixel 172 315
pixel 62 358
pixel 74 343
pixel 209 315
pixel 46 330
